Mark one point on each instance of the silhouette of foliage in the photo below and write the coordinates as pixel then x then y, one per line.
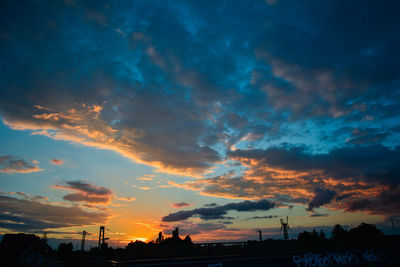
pixel 339 233
pixel 365 233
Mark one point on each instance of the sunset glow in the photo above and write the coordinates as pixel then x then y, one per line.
pixel 216 117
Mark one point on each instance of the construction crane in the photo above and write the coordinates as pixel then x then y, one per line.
pixel 285 228
pixel 101 236
pixel 83 240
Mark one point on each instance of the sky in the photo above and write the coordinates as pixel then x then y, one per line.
pixel 217 117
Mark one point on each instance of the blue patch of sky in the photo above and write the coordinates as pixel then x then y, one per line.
pixel 187 17
pixel 244 73
pixel 128 68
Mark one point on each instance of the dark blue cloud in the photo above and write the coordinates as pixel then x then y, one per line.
pixel 219 212
pixel 262 217
pixel 321 198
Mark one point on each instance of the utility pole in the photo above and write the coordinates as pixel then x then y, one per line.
pixel 285 228
pixel 259 235
pixel 83 240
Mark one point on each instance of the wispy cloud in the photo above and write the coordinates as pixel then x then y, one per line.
pixel 146 178
pixel 144 187
pixel 262 217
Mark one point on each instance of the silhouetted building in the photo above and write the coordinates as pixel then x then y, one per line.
pixel 168 247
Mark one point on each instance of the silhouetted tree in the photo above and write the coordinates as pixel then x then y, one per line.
pixel 314 234
pixel 339 233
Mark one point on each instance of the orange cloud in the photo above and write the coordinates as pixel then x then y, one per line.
pixel 144 187
pixel 83 124
pixel 145 178
pixel 13 164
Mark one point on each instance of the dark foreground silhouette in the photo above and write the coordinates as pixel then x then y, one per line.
pixel 363 245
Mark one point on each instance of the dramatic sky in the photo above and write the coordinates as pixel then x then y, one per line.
pixel 218 117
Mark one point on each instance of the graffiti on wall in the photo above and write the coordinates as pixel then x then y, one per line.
pixel 337 258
